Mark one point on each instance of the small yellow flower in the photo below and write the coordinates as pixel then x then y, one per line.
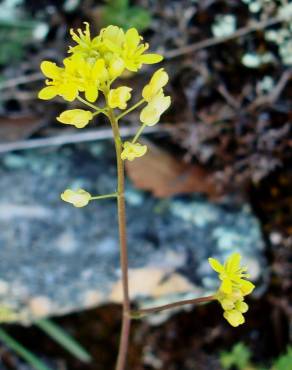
pixel 79 198
pixel 76 117
pixel 116 67
pixel 117 98
pixel 60 83
pixel 85 47
pixel 150 115
pixel 133 150
pixel 234 317
pixel 231 274
pixel 233 288
pixel 157 82
pixel 133 51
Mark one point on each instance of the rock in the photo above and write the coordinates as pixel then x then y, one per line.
pixel 57 259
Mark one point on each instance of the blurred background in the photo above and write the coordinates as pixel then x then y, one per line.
pixel 217 177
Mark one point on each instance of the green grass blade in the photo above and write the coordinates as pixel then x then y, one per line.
pixel 64 339
pixel 21 351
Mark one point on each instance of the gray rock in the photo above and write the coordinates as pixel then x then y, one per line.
pixel 57 259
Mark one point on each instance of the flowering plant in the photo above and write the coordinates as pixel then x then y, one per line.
pixel 89 75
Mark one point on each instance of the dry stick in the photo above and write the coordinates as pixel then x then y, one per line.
pixel 126 320
pixel 21 80
pixel 145 311
pixel 274 94
pixel 218 40
pixel 90 135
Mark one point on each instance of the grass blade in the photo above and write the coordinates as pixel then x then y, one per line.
pixel 21 351
pixel 64 339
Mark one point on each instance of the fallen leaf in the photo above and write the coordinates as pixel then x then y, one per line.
pixel 164 176
pixel 18 128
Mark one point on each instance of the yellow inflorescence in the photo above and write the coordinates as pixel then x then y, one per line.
pixel 233 288
pixel 89 75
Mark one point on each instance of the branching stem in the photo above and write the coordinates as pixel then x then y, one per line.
pixel 99 110
pixel 126 320
pixel 147 311
pixel 139 132
pixel 131 109
pixel 97 197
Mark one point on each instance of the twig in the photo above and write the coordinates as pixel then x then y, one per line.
pixel 275 93
pixel 90 135
pixel 21 80
pixel 256 26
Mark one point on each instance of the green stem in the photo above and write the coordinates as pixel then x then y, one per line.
pixel 126 320
pixel 99 110
pixel 22 351
pixel 146 311
pixel 64 339
pixel 130 109
pixel 97 197
pixel 139 132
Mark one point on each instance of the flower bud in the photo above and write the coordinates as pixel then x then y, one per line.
pixel 76 117
pixel 79 198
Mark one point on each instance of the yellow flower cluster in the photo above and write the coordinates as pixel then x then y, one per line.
pixel 95 63
pixel 90 70
pixel 233 288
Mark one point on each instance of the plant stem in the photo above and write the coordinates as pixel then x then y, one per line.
pixel 143 312
pixel 126 319
pixel 97 197
pixel 89 104
pixel 130 109
pixel 139 132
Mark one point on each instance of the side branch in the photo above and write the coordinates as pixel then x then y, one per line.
pixel 255 26
pixel 146 311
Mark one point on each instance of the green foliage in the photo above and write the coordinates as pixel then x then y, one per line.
pixel 120 13
pixel 64 339
pixel 284 362
pixel 16 29
pixel 238 357
pixel 21 351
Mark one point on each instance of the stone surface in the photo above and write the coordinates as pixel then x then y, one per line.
pixel 57 259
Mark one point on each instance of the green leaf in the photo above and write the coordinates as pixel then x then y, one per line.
pixel 238 357
pixel 127 17
pixel 64 339
pixel 23 352
pixel 284 362
pixel 118 4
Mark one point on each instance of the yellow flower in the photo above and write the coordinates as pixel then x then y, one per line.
pixel 89 75
pixel 117 98
pixel 116 67
pixel 132 52
pixel 234 317
pixel 79 198
pixel 150 115
pixel 76 117
pixel 233 288
pixel 157 82
pixel 85 47
pixel 128 46
pixel 231 274
pixel 133 150
pixel 60 83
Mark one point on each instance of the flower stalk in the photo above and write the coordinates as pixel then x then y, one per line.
pixel 126 318
pixel 93 66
